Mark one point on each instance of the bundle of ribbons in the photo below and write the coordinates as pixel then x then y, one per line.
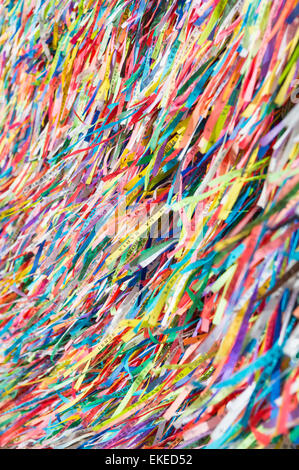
pixel 149 224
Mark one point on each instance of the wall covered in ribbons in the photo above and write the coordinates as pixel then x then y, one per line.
pixel 149 224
